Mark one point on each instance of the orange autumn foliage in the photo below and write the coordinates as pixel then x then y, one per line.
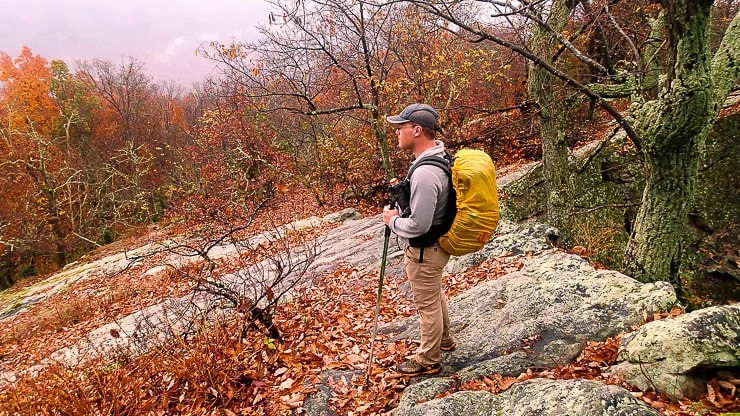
pixel 26 96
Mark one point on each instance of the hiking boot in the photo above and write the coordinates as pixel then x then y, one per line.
pixel 415 368
pixel 447 344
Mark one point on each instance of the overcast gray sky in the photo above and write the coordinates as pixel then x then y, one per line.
pixel 163 34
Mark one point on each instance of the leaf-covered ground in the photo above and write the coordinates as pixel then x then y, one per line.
pixel 217 371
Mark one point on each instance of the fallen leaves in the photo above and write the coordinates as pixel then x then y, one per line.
pixel 721 393
pixel 326 335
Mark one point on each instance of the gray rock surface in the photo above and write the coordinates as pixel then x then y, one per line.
pixel 546 311
pixel 356 242
pixel 317 404
pixel 536 397
pixel 71 273
pixel 510 238
pixel 671 355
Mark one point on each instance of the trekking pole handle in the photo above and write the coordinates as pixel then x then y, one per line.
pixel 387 227
pixel 392 182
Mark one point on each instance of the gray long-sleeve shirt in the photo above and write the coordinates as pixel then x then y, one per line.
pixel 429 195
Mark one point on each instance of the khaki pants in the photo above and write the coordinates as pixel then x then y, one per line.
pixel 430 300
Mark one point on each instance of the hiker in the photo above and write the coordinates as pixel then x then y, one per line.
pixel 416 128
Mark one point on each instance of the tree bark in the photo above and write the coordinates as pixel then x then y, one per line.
pixel 382 139
pixel 672 128
pixel 552 117
pixel 726 63
pixel 5 280
pixel 54 221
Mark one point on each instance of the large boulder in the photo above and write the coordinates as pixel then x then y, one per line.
pixel 674 356
pixel 536 397
pixel 541 315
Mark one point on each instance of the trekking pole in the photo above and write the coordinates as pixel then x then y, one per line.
pixel 380 291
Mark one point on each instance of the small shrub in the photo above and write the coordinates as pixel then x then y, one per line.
pixel 108 236
pixel 29 270
pixel 603 238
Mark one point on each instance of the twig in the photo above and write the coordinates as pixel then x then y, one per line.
pixel 87 239
pixel 644 374
pixel 598 149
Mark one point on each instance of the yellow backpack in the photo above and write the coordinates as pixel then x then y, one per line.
pixel 472 214
pixel 476 199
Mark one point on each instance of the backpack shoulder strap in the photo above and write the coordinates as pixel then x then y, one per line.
pixel 444 164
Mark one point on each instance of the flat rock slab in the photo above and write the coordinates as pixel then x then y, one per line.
pixel 536 397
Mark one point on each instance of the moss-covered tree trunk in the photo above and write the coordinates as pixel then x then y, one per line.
pixel 672 129
pixel 553 114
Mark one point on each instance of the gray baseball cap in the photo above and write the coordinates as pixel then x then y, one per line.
pixel 422 114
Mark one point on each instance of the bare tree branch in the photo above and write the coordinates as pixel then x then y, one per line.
pixel 568 80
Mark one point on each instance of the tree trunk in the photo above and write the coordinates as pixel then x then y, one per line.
pixel 552 116
pixel 375 90
pixel 5 280
pixel 672 130
pixel 382 139
pixel 54 221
